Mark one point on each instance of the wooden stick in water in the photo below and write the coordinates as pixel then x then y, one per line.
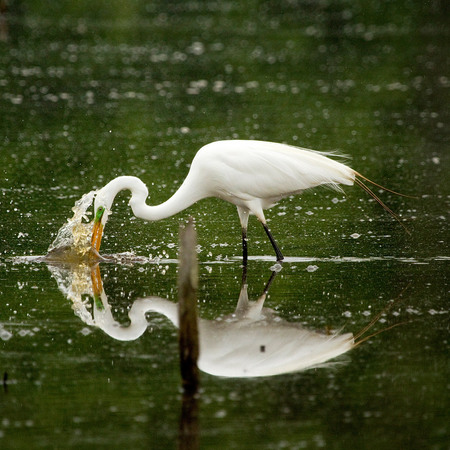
pixel 187 308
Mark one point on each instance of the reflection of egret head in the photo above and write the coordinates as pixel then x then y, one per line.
pixel 104 319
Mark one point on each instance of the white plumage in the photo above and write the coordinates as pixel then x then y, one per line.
pixel 253 175
pixel 250 172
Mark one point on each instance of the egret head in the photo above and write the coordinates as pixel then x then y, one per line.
pixel 105 198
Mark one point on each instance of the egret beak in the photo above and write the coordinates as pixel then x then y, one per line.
pixel 97 286
pixel 97 230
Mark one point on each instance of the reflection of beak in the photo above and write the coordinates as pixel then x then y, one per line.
pixel 97 286
pixel 97 231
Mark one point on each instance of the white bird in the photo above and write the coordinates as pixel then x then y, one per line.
pixel 253 175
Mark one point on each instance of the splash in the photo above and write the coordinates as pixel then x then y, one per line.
pixel 72 245
pixel 73 238
pixel 75 284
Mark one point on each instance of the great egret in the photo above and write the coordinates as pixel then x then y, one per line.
pixel 253 175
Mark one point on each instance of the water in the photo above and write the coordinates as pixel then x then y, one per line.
pixel 90 91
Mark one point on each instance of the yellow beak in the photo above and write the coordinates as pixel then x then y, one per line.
pixel 97 233
pixel 97 287
pixel 97 230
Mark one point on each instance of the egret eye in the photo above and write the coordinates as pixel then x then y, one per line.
pixel 99 213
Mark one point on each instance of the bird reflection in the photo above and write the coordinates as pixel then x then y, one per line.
pixel 253 341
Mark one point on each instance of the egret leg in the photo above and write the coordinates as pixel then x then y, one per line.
pixel 280 256
pixel 244 275
pixel 269 283
pixel 243 218
pixel 273 274
pixel 244 247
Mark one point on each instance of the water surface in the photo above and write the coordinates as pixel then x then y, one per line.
pixel 90 91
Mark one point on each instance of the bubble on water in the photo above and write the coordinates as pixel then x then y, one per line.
pixel 16 99
pixel 25 332
pixel 218 86
pixel 220 414
pixel 141 418
pixel 196 48
pixel 435 160
pixel 433 312
pixel 5 335
pixel 276 267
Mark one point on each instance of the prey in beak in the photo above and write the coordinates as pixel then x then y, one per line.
pixel 97 230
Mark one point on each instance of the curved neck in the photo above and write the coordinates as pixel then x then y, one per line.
pixel 138 321
pixel 155 304
pixel 181 199
pixel 187 194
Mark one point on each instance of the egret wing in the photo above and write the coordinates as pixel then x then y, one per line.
pixel 266 170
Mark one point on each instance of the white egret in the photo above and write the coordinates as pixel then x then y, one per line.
pixel 253 175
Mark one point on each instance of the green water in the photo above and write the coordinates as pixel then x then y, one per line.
pixel 93 90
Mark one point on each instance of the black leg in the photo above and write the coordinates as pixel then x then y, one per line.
pixel 280 256
pixel 244 275
pixel 244 247
pixel 269 283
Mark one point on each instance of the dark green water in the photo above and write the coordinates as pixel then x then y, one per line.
pixel 93 90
